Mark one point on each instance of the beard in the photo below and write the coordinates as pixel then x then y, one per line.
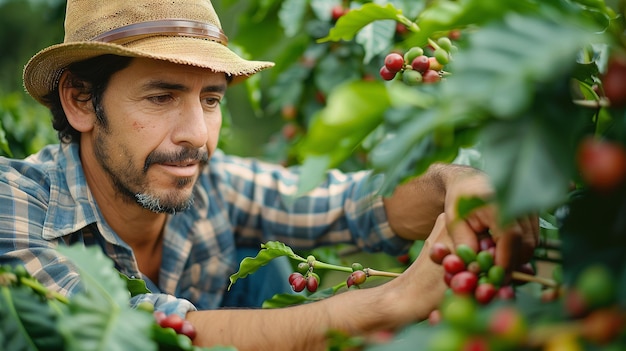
pixel 132 182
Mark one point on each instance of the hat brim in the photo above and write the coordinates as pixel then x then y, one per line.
pixel 42 72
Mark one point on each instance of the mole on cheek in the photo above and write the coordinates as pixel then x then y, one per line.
pixel 138 126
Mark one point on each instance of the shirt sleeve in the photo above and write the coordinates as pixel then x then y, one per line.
pixel 23 204
pixel 344 208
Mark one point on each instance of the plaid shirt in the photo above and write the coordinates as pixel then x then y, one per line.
pixel 45 201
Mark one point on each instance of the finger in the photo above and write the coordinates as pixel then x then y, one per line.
pixel 510 247
pixel 467 231
pixel 440 232
pixel 530 236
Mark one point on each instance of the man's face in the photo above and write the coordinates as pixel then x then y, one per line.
pixel 162 124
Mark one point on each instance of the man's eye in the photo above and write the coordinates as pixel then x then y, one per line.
pixel 212 101
pixel 160 99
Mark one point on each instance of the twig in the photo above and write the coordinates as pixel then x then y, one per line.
pixel 533 278
pixel 369 272
pixel 515 275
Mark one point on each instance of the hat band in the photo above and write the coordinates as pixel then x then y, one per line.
pixel 164 27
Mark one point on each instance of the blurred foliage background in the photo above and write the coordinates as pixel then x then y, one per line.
pixel 27 26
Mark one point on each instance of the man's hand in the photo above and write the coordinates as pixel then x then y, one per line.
pixel 515 242
pixel 414 206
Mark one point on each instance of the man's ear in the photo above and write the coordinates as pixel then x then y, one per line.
pixel 77 105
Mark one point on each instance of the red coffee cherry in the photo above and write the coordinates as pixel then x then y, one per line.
pixel 438 252
pixel 485 293
pixel 188 329
pixel 312 284
pixel 173 321
pixel 614 81
pixel 295 275
pixel 394 62
pixel 508 324
pixel 421 63
pixel 464 283
pixel 431 76
pixel 337 11
pixel 602 163
pixel 506 293
pixel 386 74
pixel 453 264
pixel 298 284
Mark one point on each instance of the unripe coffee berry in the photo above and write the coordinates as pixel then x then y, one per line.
pixel 357 267
pixel 444 43
pixel 303 267
pixel 442 56
pixel 434 64
pixel 413 52
pixel 466 253
pixel 411 77
pixel 356 278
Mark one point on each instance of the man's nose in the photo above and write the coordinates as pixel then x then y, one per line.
pixel 191 126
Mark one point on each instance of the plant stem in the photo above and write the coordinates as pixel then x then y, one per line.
pixel 532 278
pixel 372 272
pixel 515 275
pixel 36 286
pixel 412 26
pixel 433 44
pixel 323 265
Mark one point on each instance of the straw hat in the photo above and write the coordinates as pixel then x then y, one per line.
pixel 180 31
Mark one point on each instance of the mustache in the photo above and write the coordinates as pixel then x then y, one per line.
pixel 182 155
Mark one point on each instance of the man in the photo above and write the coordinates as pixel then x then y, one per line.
pixel 135 91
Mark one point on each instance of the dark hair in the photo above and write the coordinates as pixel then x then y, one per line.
pixel 91 77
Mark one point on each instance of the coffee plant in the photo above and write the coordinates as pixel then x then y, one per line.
pixel 33 317
pixel 531 92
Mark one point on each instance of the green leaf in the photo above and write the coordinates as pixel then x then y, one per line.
pixel 323 8
pixel 524 161
pixel 353 110
pixel 333 70
pixel 269 251
pixel 409 149
pixel 4 144
pixel 441 15
pixel 506 60
pixel 352 22
pixel 98 274
pixel 312 173
pixel 27 321
pixel 376 38
pixel 291 16
pixel 468 204
pixel 288 88
pixel 100 316
pixel 135 286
